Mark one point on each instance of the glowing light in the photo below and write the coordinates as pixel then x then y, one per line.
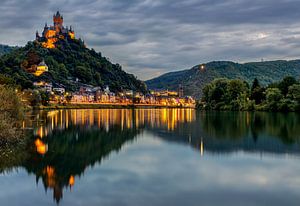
pixel 50 173
pixel 71 180
pixel 202 67
pixel 41 148
pixel 201 148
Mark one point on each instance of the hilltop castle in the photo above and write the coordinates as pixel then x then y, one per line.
pixel 55 33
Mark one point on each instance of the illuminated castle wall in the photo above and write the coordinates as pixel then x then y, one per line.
pixel 55 33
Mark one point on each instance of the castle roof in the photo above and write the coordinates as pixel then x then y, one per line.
pixel 42 63
pixel 57 14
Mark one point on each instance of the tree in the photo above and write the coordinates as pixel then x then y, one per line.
pixel 84 74
pixel 97 77
pixel 219 87
pixel 273 97
pixel 285 84
pixel 10 101
pixel 257 92
pixel 4 79
pixel 45 98
pixel 33 97
pixel 227 94
pixel 294 92
pixel 235 88
pixel 62 70
pixel 255 84
pixel 11 111
pixel 33 57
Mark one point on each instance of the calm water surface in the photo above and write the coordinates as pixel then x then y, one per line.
pixel 153 157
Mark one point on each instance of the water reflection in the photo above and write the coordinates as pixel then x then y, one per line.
pixel 227 132
pixel 64 143
pixel 46 122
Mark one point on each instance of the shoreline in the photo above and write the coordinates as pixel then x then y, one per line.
pixel 110 106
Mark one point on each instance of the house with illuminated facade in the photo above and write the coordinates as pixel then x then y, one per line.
pixel 53 34
pixel 41 68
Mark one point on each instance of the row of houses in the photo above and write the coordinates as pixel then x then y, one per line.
pixel 90 94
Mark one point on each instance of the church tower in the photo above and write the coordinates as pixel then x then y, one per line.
pixel 58 21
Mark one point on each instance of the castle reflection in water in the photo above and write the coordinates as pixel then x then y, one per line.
pixel 61 137
pixel 64 143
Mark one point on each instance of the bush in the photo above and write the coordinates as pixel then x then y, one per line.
pixel 10 114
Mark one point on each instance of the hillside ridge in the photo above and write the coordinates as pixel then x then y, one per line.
pixel 195 78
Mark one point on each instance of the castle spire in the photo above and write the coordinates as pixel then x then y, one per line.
pixel 58 15
pixel 37 36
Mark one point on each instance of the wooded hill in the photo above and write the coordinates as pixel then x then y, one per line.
pixel 194 79
pixel 70 60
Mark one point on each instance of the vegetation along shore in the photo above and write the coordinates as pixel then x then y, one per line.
pixel 238 95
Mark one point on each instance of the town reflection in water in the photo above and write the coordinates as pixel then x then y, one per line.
pixel 64 143
pixel 68 141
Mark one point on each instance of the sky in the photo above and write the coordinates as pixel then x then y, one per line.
pixel 152 37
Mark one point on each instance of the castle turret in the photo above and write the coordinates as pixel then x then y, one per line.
pixel 37 36
pixel 58 21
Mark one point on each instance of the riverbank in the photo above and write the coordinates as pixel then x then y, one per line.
pixel 109 106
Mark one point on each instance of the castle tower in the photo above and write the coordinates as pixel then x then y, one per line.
pixel 37 36
pixel 58 21
pixel 55 33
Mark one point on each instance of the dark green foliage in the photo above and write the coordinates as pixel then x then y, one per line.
pixel 193 80
pixel 273 96
pixel 225 94
pixel 285 84
pixel 84 73
pixel 45 98
pixel 255 84
pixel 70 60
pixel 294 92
pixel 4 79
pixel 34 98
pixel 257 92
pixel 4 49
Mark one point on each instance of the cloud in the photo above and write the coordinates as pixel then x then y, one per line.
pixel 150 37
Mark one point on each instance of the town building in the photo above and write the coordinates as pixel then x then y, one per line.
pixel 44 86
pixel 59 90
pixel 41 68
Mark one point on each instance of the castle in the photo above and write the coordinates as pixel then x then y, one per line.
pixel 55 33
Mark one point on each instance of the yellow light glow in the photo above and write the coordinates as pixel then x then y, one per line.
pixel 71 180
pixel 41 148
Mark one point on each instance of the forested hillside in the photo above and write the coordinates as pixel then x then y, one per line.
pixel 69 62
pixel 194 79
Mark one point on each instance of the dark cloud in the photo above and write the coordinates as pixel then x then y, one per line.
pixel 150 37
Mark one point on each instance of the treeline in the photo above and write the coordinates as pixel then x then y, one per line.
pixel 4 49
pixel 238 95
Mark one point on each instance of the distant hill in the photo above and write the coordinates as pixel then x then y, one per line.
pixel 195 78
pixel 71 60
pixel 4 49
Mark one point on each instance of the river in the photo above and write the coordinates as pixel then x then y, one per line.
pixel 153 157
